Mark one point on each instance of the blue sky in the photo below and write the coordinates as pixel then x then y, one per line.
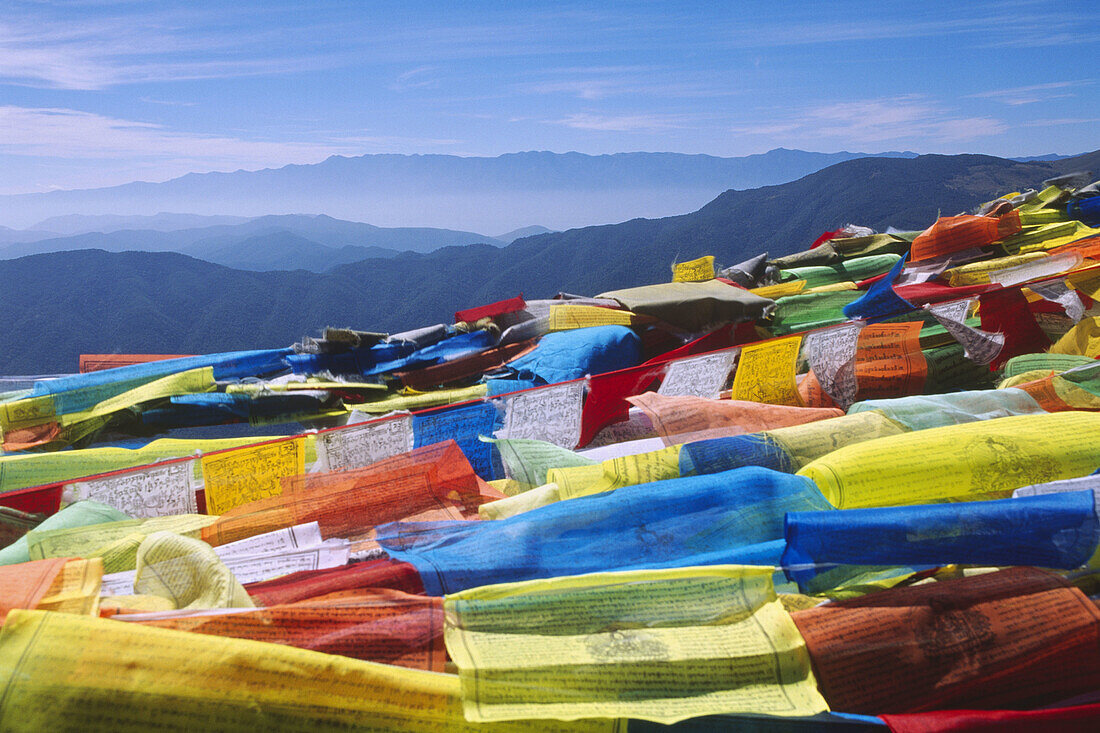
pixel 104 92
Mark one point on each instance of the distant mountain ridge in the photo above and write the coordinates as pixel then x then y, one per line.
pixel 446 191
pixel 276 242
pixel 163 221
pixel 170 303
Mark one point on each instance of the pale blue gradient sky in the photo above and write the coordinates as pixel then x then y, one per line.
pixel 100 92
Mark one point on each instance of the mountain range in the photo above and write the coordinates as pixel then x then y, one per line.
pixel 283 242
pixel 62 304
pixel 478 194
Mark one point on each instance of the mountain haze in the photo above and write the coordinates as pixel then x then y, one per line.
pixel 94 301
pixel 469 193
pixel 284 242
pixel 163 221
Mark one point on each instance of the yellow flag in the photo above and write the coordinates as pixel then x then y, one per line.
pixel 64 672
pixel 570 317
pixel 766 371
pixel 968 462
pixel 660 645
pixel 794 287
pixel 694 271
pixel 98 540
pixel 1082 339
pixel 813 440
pixel 75 589
pixel 239 476
pixel 630 470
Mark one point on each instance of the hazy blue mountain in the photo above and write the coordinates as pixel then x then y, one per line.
pixel 470 193
pixel 509 237
pixel 292 241
pixel 283 250
pixel 170 303
pixel 14 236
pixel 163 221
pixel 1042 158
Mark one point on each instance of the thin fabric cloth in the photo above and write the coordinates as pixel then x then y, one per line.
pixel 724 454
pixel 1052 531
pixel 734 517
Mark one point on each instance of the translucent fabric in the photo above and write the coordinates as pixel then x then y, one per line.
pixel 1006 311
pixel 667 523
pixel 78 514
pixel 662 645
pixel 309 585
pixel 806 443
pixel 969 462
pixel 1052 531
pixel 436 479
pixel 689 415
pixel 724 454
pixel 465 425
pixel 919 412
pixel 1075 719
pixel 375 625
pixel 1016 638
pixel 957 233
pixel 187 572
pixel 61 672
pixel 1030 362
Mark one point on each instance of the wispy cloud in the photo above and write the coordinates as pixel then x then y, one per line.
pixel 878 121
pixel 167 102
pixel 619 123
pixel 389 143
pixel 1062 121
pixel 593 89
pixel 137 44
pixel 422 77
pixel 1034 93
pixel 69 134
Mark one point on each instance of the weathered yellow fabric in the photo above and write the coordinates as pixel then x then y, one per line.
pixel 423 399
pixel 509 486
pixel 661 645
pixel 97 540
pixel 187 572
pixel 968 462
pixel 121 554
pixel 1029 376
pixel 1083 339
pixel 808 442
pixel 75 589
pixel 640 468
pixel 133 603
pixel 525 502
pixel 573 480
pixel 832 288
pixel 977 273
pixel 1050 236
pixel 794 287
pixel 64 672
pixel 570 317
pixel 694 271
